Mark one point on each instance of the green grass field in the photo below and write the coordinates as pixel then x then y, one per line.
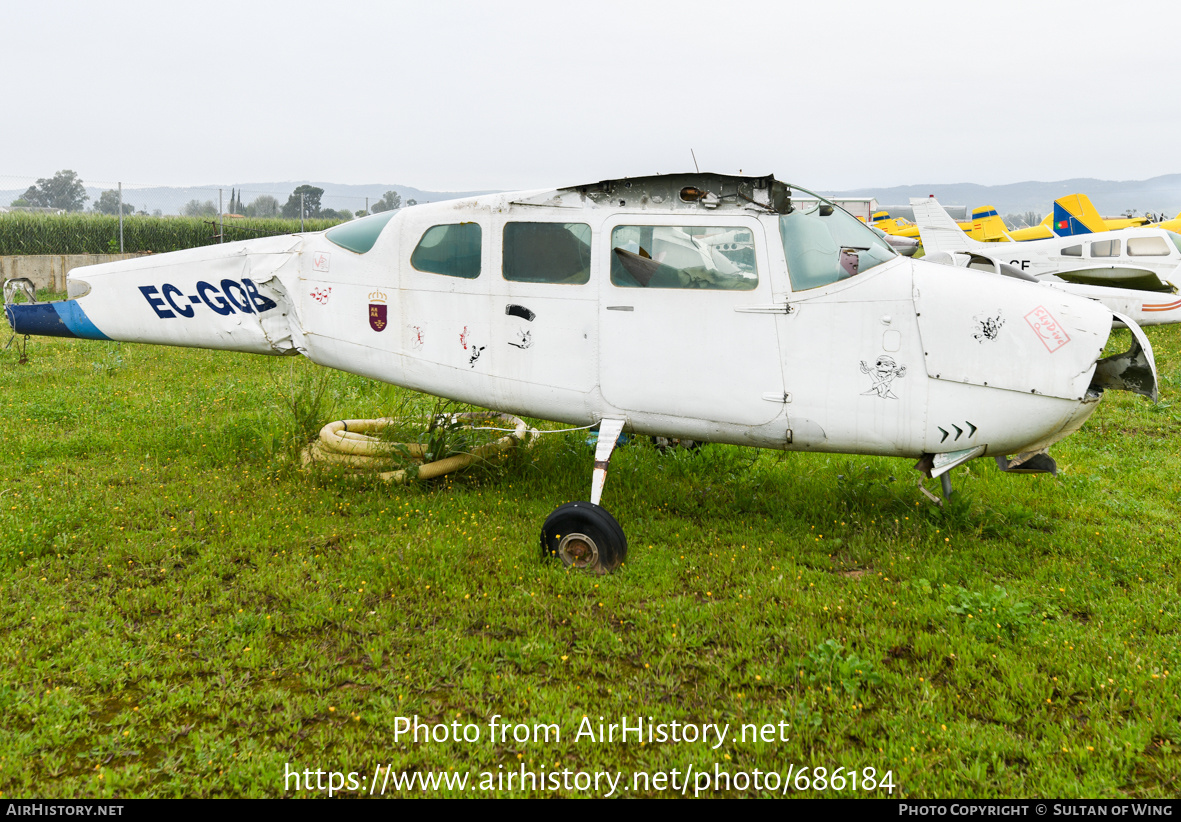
pixel 185 613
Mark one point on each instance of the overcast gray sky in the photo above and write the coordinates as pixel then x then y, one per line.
pixel 451 95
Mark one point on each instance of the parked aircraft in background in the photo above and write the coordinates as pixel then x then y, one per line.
pixel 985 225
pixel 906 246
pixel 1168 225
pixel 1133 271
pixel 1073 214
pixel 692 306
pixel 894 226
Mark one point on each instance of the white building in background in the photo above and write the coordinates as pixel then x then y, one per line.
pixel 860 207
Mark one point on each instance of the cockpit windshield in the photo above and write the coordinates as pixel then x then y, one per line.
pixel 824 243
pixel 360 235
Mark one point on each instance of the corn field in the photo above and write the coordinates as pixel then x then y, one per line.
pixel 22 233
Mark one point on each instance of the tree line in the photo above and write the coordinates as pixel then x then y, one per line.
pixel 64 191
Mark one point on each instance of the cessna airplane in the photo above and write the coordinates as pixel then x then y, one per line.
pixel 1133 271
pixel 693 306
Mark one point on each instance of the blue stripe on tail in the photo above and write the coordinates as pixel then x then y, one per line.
pixel 60 319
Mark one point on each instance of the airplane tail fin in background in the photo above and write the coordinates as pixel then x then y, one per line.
pixel 987 225
pixel 939 232
pixel 1074 214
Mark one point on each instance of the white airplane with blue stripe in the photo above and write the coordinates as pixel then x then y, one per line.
pixel 691 306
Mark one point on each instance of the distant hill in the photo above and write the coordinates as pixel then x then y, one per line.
pixel 1158 195
pixel 1111 197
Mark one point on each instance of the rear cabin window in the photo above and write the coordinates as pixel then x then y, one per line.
pixel 547 253
pixel 1107 248
pixel 1148 247
pixel 452 250
pixel 719 258
pixel 1073 251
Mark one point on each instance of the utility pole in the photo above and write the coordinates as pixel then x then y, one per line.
pixel 366 206
pixel 300 213
pixel 221 219
pixel 120 218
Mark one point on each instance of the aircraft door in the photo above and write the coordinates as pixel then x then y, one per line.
pixel 854 375
pixel 853 366
pixel 543 316
pixel 675 339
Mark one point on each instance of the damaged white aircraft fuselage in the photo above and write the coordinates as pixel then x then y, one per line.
pixel 694 306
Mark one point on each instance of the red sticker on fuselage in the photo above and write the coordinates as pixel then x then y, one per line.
pixel 1048 329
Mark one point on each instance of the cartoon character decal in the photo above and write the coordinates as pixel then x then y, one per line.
pixel 883 372
pixel 467 343
pixel 524 334
pixel 988 328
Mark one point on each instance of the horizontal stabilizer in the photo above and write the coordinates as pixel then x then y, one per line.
pixel 939 232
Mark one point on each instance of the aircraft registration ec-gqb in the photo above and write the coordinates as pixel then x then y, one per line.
pixel 697 306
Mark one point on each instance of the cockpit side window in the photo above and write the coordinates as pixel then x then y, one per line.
pixel 452 250
pixel 547 253
pixel 1073 251
pixel 705 257
pixel 824 244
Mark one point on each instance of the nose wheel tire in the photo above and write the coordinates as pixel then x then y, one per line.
pixel 583 535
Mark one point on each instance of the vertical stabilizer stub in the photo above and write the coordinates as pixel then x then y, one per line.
pixel 60 319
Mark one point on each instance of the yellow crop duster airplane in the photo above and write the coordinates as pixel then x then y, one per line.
pixel 1073 214
pixel 985 225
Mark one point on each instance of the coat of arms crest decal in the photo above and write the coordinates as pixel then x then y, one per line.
pixel 377 311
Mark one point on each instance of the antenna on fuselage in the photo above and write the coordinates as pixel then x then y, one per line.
pixel 694 160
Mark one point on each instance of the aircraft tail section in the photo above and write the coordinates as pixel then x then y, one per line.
pixel 57 319
pixel 1074 214
pixel 939 232
pixel 227 297
pixel 987 225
